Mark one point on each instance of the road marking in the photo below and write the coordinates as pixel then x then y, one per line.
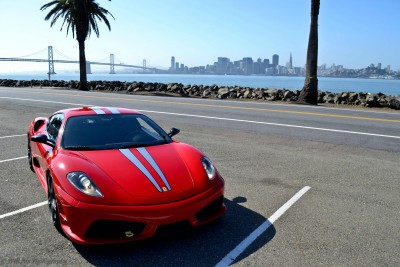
pixel 257 103
pixel 271 123
pixel 226 107
pixel 10 136
pixel 228 259
pixel 226 119
pixel 45 101
pixel 5 160
pixel 232 107
pixel 24 209
pixel 269 103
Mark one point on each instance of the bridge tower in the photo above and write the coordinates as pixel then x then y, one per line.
pixel 144 65
pixel 51 61
pixel 112 64
pixel 88 67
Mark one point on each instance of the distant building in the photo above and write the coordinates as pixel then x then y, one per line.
pixel 172 63
pixel 223 65
pixel 275 60
pixel 269 71
pixel 258 67
pixel 247 65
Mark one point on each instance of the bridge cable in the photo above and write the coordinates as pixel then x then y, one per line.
pixel 37 52
pixel 63 55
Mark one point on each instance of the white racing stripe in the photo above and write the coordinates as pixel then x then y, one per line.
pixel 132 158
pixel 153 164
pixel 97 110
pixel 113 110
pixel 228 259
pixel 23 209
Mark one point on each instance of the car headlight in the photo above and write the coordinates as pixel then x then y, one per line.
pixel 83 183
pixel 208 167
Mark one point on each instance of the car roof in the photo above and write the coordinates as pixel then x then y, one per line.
pixel 93 110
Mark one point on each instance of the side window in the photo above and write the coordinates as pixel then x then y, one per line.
pixel 54 125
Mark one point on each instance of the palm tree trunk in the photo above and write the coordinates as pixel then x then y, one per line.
pixel 82 67
pixel 309 93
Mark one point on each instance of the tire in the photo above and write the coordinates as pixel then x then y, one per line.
pixel 52 204
pixel 30 157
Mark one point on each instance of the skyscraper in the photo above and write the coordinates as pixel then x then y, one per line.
pixel 247 65
pixel 275 60
pixel 172 63
pixel 290 62
pixel 223 65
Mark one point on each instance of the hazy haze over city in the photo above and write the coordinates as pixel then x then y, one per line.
pixel 351 33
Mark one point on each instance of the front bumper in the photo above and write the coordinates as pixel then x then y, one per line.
pixel 87 223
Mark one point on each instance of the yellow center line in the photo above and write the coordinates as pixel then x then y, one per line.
pixel 229 107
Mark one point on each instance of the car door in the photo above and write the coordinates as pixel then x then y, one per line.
pixel 44 151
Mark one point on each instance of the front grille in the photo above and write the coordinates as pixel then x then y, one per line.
pixel 114 229
pixel 210 209
pixel 172 228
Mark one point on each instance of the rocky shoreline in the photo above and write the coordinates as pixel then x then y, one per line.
pixel 220 92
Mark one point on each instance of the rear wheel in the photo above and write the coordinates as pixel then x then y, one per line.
pixel 52 203
pixel 30 157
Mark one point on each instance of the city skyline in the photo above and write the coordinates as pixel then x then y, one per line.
pixel 265 66
pixel 350 34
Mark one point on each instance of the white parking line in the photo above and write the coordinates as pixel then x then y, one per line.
pixel 228 259
pixel 5 160
pixel 226 119
pixel 10 136
pixel 23 209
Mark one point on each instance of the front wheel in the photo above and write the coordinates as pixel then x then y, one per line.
pixel 52 203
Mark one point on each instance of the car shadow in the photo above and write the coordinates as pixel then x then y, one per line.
pixel 200 246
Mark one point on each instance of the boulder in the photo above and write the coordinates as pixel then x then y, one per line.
pixel 206 92
pixel 246 93
pixel 223 92
pixel 288 95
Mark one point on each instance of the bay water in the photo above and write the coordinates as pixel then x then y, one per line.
pixel 334 85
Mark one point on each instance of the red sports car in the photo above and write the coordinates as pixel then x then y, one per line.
pixel 113 175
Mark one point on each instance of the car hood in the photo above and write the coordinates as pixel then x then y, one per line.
pixel 154 174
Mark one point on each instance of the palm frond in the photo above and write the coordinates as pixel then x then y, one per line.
pixel 83 21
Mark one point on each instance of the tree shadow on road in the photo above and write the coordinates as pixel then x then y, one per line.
pixel 201 246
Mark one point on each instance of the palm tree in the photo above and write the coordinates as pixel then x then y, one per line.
pixel 81 17
pixel 309 93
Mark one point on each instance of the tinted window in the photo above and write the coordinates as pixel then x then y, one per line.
pixel 112 131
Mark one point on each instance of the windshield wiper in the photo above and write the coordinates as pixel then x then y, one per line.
pixel 80 148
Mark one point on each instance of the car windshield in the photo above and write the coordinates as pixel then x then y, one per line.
pixel 111 131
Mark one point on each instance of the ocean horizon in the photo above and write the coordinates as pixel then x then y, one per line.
pixel 334 85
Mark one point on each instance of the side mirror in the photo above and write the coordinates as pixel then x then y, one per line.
pixel 173 132
pixel 42 138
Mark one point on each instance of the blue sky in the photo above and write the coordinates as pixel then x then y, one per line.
pixel 353 33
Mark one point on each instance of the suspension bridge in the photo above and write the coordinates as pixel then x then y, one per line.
pixel 51 62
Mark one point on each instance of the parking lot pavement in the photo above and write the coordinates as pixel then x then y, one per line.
pixel 348 217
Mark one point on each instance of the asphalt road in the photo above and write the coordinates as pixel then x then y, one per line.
pixel 266 152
